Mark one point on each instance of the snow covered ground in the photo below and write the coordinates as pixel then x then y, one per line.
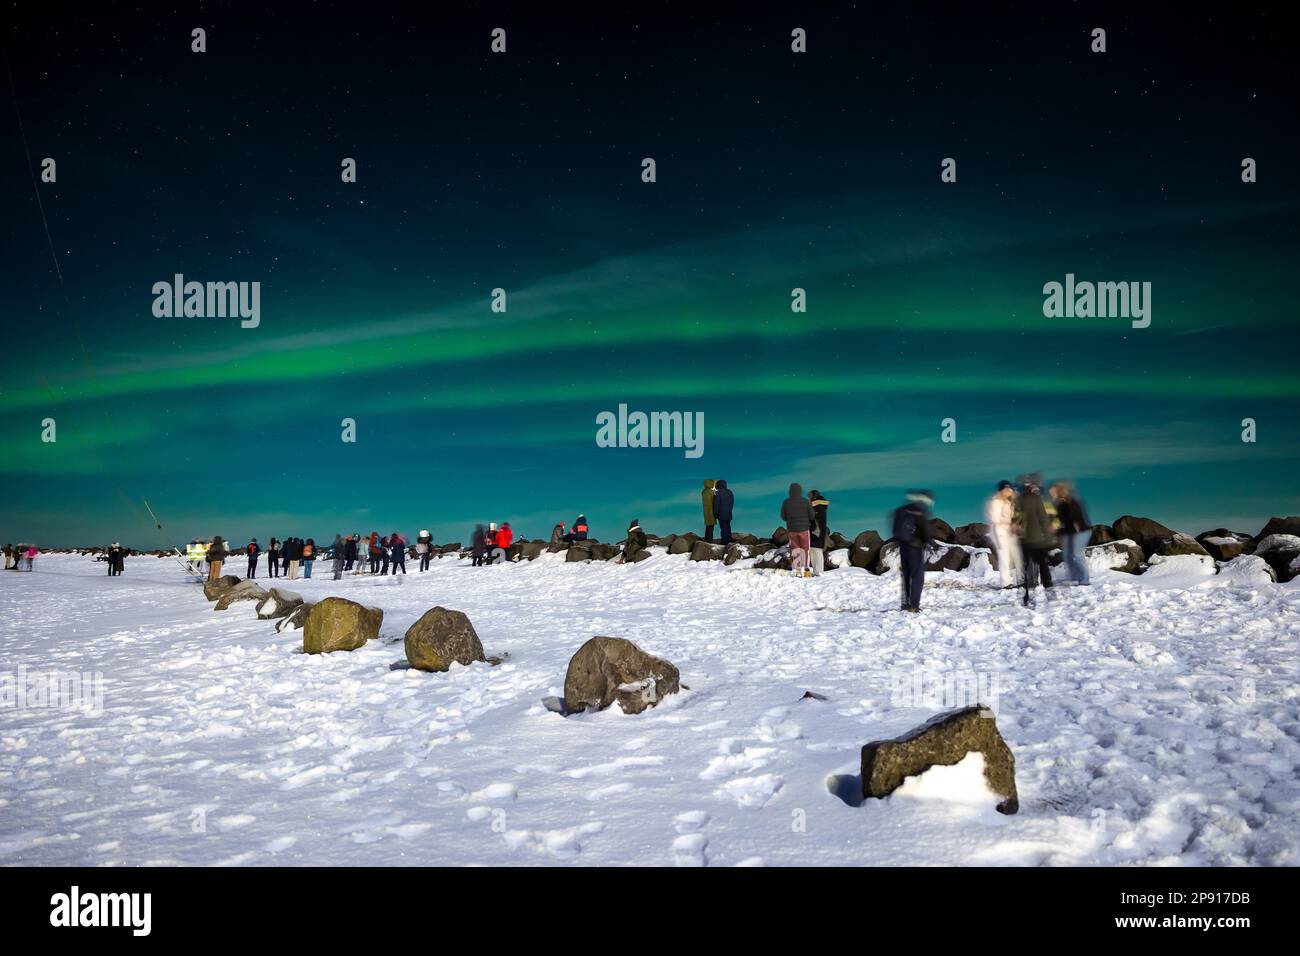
pixel 1153 719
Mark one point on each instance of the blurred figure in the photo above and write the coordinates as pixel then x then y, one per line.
pixel 724 503
pixel 820 531
pixel 397 544
pixel 478 546
pixel 1000 514
pixel 339 555
pixel 579 532
pixel 253 551
pixel 308 549
pixel 216 555
pixel 1076 530
pixel 350 550
pixel 911 529
pixel 273 558
pixel 798 516
pixel 424 548
pixel 706 497
pixel 1037 534
pixel 501 543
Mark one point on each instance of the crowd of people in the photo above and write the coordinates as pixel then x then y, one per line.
pixel 1024 528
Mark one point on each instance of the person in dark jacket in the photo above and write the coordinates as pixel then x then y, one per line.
pixel 636 541
pixel 273 558
pixel 478 546
pixel 579 532
pixel 216 555
pixel 397 545
pixel 114 559
pixel 1037 535
pixel 557 535
pixel 706 497
pixel 253 552
pixel 797 514
pixel 819 533
pixel 385 554
pixel 912 532
pixel 285 548
pixel 1076 530
pixel 350 552
pixel 308 549
pixel 724 502
pixel 293 550
pixel 339 555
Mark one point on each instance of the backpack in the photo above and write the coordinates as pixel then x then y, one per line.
pixel 905 525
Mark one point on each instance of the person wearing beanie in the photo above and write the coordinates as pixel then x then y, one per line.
pixel 912 532
pixel 254 551
pixel 424 548
pixel 1000 514
pixel 636 541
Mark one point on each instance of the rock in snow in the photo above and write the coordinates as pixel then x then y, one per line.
pixel 609 669
pixel 944 740
pixel 440 637
pixel 278 603
pixel 337 624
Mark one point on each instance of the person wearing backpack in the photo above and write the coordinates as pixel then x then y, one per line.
pixel 253 551
pixel 424 548
pixel 912 532
pixel 273 558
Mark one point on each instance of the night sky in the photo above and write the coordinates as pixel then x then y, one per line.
pixel 522 171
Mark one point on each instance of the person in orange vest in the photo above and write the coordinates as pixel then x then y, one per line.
pixel 579 532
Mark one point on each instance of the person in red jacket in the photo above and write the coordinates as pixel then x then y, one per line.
pixel 502 542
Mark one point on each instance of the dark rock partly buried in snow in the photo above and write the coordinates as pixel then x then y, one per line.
pixel 1147 533
pixel 706 551
pixel 579 551
pixel 1282 552
pixel 1224 545
pixel 1102 534
pixel 940 530
pixel 734 553
pixel 745 539
pixel 637 557
pixel 780 537
pixel 943 741
pixel 440 637
pixel 1289 525
pixel 609 669
pixel 952 558
pixel 1123 555
pixel 1179 543
pixel 683 544
pixel 278 603
pixel 337 624
pixel 212 590
pixel 296 619
pixel 243 591
pixel 865 550
pixel 531 549
pixel 973 535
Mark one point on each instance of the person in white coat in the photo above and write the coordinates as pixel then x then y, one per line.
pixel 999 514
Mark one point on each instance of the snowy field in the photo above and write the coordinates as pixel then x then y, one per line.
pixel 1153 719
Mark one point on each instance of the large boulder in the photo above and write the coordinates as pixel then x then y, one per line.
pixel 941 530
pixel 837 542
pixel 1123 555
pixel 865 550
pixel 337 624
pixel 579 551
pixel 605 551
pixel 943 741
pixel 439 637
pixel 734 553
pixel 243 591
pixel 452 548
pixel 706 551
pixel 1179 543
pixel 637 556
pixel 683 544
pixel 212 590
pixel 947 558
pixel 745 539
pixel 780 537
pixel 531 549
pixel 1282 552
pixel 974 535
pixel 1102 534
pixel 1146 533
pixel 278 603
pixel 775 559
pixel 1289 526
pixel 296 619
pixel 1224 545
pixel 609 669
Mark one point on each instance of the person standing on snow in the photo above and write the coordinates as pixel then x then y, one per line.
pixel 819 533
pixel 504 539
pixel 706 497
pixel 339 555
pixel 308 548
pixel 293 552
pixel 797 514
pixel 273 558
pixel 1037 535
pixel 1076 531
pixel 253 551
pixel 912 532
pixel 397 545
pixel 1000 514
pixel 424 548
pixel 723 504
pixel 217 554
